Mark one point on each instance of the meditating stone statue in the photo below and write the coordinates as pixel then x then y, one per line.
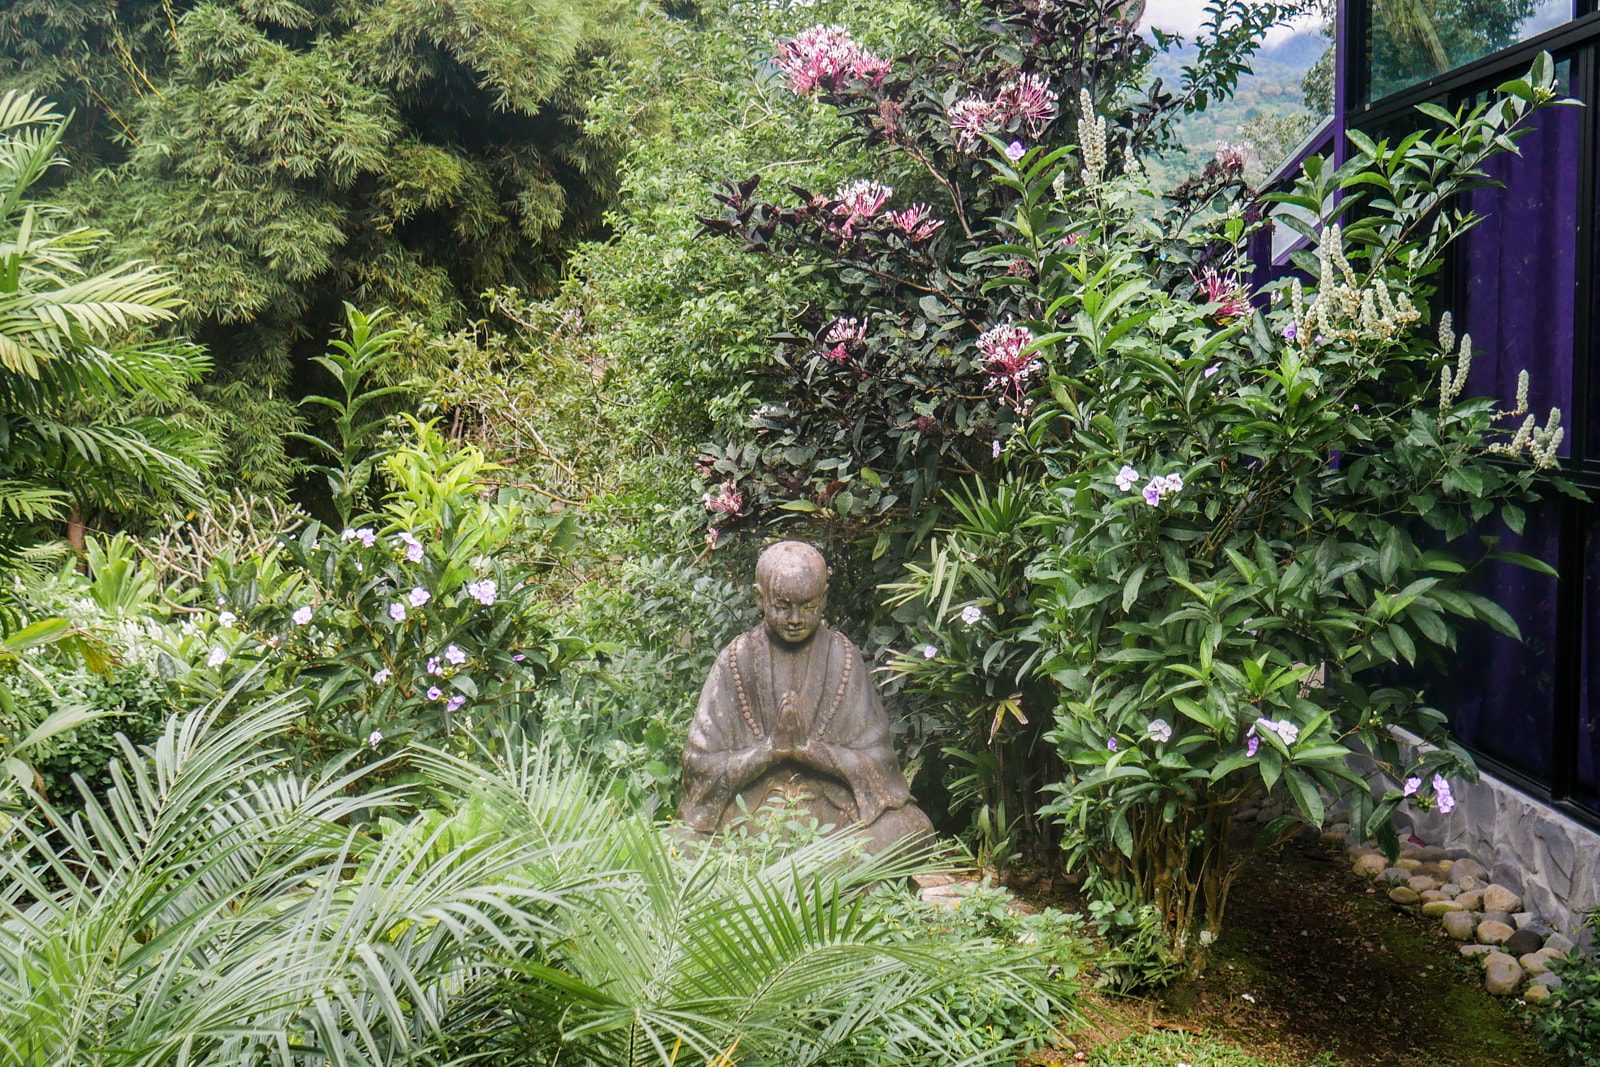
pixel 789 711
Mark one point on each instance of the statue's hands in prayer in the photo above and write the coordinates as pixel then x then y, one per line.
pixel 789 737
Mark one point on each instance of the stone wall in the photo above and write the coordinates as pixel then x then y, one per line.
pixel 1552 861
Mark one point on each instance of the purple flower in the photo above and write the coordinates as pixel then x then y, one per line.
pixel 1441 792
pixel 433 665
pixel 916 222
pixel 826 58
pixel 1209 371
pixel 302 615
pixel 1411 786
pixel 454 703
pixel 218 657
pixel 455 655
pixel 997 448
pixel 1290 332
pixel 484 591
pixel 381 676
pixel 1152 494
pixel 227 618
pixel 397 611
pixel 1111 744
pixel 519 657
pixel 1126 477
pixel 1251 745
pixel 434 692
pixel 413 549
pixel 419 596
pixel 1015 151
pixel 929 651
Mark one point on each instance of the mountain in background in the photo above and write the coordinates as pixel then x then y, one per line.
pixel 1269 108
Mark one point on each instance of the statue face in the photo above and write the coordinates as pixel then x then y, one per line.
pixel 793 605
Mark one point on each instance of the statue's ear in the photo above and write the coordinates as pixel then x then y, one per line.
pixel 760 593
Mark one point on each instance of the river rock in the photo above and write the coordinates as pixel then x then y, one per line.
pixel 1523 941
pixel 1536 994
pixel 1370 864
pixel 1488 916
pixel 1408 862
pixel 1549 979
pixel 1559 943
pixel 1469 868
pixel 1394 876
pixel 1459 924
pixel 1494 933
pixel 1421 883
pixel 1534 963
pixel 1502 976
pixel 1470 951
pixel 1440 907
pixel 1451 890
pixel 1498 898
pixel 1467 882
pixel 1471 899
pixel 1433 896
pixel 1402 895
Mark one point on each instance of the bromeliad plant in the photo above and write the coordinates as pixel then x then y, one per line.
pixel 1218 527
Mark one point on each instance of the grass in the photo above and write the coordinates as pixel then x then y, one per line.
pixel 1175 1050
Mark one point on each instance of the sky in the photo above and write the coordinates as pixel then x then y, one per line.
pixel 1185 17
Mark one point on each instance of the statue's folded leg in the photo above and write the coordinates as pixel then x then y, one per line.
pixel 906 823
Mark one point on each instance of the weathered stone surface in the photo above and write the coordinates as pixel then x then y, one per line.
pixel 1533 963
pixel 1523 941
pixel 1432 854
pixel 1451 890
pixel 1370 864
pixel 1468 883
pixel 1421 883
pixel 1408 862
pixel 1536 994
pixel 1439 872
pixel 1475 950
pixel 1468 868
pixel 1549 979
pixel 1439 907
pixel 1559 943
pixel 1499 898
pixel 1352 851
pixel 1472 899
pixel 1459 924
pixel 1402 895
pixel 1493 933
pixel 1430 896
pixel 1495 917
pixel 1502 976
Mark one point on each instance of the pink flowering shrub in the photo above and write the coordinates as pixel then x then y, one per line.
pixel 1229 526
pixel 861 427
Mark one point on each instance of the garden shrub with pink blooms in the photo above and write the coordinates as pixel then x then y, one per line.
pixel 1225 521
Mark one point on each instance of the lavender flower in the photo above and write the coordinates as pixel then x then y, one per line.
pixel 1159 730
pixel 484 591
pixel 227 618
pixel 454 703
pixel 454 654
pixel 971 614
pixel 1126 477
pixel 433 666
pixel 413 547
pixel 419 596
pixel 397 611
pixel 302 615
pixel 1111 744
pixel 1411 786
pixel 382 676
pixel 1152 493
pixel 1442 793
pixel 929 651
pixel 1251 745
pixel 434 692
pixel 218 657
pixel 1015 151
pixel 997 447
pixel 1211 370
pixel 1287 731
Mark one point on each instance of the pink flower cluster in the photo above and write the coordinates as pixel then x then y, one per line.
pixel 827 58
pixel 1231 157
pixel 1225 291
pixel 916 222
pixel 857 202
pixel 1009 368
pixel 728 501
pixel 1029 102
pixel 841 336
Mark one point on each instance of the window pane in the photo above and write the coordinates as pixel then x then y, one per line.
pixel 1518 268
pixel 1499 693
pixel 1410 41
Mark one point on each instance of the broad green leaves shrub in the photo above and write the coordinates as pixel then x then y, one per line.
pixel 1569 1022
pixel 1218 529
pixel 416 623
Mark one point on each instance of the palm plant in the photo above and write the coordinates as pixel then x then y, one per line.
pixel 84 385
pixel 216 907
pixel 759 957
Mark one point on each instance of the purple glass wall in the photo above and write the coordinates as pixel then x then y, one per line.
pixel 1518 268
pixel 1499 694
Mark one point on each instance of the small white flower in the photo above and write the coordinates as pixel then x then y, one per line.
pixel 1159 730
pixel 227 618
pixel 971 614
pixel 382 676
pixel 1127 477
pixel 302 615
pixel 929 651
pixel 218 657
pixel 375 738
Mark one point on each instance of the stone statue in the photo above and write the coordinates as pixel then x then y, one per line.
pixel 790 711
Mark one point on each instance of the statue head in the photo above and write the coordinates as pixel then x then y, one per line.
pixel 792 589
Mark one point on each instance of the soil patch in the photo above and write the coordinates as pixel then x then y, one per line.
pixel 1315 968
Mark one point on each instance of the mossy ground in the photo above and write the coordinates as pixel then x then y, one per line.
pixel 1316 970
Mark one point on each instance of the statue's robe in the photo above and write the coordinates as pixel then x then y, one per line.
pixel 851 777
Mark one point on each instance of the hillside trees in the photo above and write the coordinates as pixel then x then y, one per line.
pixel 284 156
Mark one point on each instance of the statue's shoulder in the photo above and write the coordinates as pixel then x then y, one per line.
pixel 841 642
pixel 739 648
